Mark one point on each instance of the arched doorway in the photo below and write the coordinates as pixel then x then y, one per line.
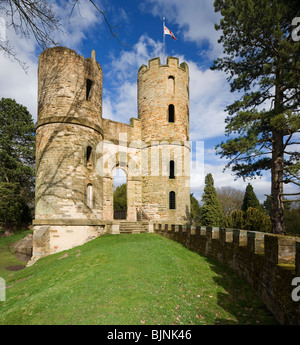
pixel 120 194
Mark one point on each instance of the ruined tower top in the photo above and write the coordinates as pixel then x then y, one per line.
pixel 70 86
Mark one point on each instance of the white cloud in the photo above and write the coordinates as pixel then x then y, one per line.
pixel 15 83
pixel 226 178
pixel 77 23
pixel 122 105
pixel 18 85
pixel 196 20
pixel 209 95
pixel 126 65
pixel 120 97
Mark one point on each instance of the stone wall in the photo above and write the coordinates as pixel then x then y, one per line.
pixel 63 174
pixel 157 183
pixel 267 262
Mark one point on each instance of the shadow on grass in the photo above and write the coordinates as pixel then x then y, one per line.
pixel 240 300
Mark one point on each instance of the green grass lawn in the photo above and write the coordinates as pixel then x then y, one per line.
pixel 129 280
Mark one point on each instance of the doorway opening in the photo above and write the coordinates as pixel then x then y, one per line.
pixel 120 194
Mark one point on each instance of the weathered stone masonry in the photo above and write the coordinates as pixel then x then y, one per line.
pixel 267 262
pixel 77 151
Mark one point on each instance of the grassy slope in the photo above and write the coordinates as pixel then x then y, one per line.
pixel 129 279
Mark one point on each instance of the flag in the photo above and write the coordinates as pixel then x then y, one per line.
pixel 169 32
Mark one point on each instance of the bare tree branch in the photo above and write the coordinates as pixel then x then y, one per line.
pixel 36 18
pixel 115 35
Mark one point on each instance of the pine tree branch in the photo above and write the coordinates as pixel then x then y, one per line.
pixel 291 200
pixel 290 181
pixel 290 193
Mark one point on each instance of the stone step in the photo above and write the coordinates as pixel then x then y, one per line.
pixel 131 228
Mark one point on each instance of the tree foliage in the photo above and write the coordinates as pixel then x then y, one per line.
pixel 195 211
pixel 253 220
pixel 10 205
pixel 262 63
pixel 235 220
pixel 292 217
pixel 17 143
pixel 211 212
pixel 250 199
pixel 256 220
pixel 120 197
pixel 17 159
pixel 38 19
pixel 230 198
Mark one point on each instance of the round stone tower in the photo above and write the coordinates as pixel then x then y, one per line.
pixel 68 190
pixel 163 108
pixel 163 100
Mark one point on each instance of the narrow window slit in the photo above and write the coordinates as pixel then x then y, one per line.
pixel 171 84
pixel 172 203
pixel 89 84
pixel 171 113
pixel 89 156
pixel 172 170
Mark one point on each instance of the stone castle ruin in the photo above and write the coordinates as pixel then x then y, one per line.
pixel 77 152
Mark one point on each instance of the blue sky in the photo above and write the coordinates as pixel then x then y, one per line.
pixel 139 26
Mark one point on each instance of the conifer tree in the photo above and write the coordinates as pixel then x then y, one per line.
pixel 261 59
pixel 250 199
pixel 17 158
pixel 256 220
pixel 211 209
pixel 235 220
pixel 195 210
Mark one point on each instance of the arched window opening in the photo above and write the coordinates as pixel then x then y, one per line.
pixel 89 195
pixel 171 113
pixel 89 162
pixel 89 84
pixel 171 84
pixel 172 169
pixel 172 203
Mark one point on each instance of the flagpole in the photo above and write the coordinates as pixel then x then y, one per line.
pixel 164 40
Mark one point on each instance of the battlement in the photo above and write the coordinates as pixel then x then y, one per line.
pixel 267 262
pixel 171 62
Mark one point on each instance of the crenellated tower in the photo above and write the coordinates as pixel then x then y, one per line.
pixel 163 100
pixel 163 108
